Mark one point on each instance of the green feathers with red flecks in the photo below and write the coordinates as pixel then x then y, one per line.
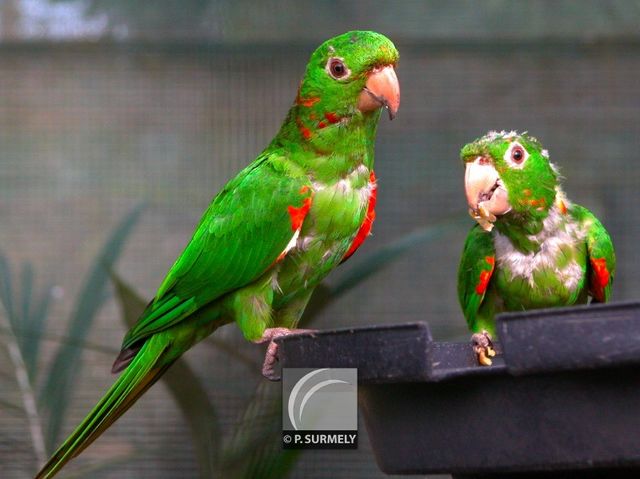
pixel 532 248
pixel 273 232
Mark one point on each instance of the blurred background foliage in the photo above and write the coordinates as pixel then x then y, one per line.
pixel 108 104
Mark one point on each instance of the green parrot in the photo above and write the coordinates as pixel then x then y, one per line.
pixel 274 231
pixel 532 248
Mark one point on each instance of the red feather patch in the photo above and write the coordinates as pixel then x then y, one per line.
pixel 308 102
pixel 485 275
pixel 304 131
pixel 367 224
pixel 332 117
pixel 297 215
pixel 600 278
pixel 562 207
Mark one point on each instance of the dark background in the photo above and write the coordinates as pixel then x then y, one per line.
pixel 107 104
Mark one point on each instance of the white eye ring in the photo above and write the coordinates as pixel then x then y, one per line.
pixel 516 155
pixel 337 69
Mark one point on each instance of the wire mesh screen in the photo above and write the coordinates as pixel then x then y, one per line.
pixel 87 132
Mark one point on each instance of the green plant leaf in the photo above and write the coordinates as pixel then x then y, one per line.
pixel 59 338
pixel 185 387
pixel 370 264
pixel 231 350
pixel 99 468
pixel 374 262
pixel 26 292
pixel 26 321
pixel 32 330
pixel 131 303
pixel 255 448
pixel 66 365
pixel 15 348
pixel 11 406
pixel 6 292
pixel 32 415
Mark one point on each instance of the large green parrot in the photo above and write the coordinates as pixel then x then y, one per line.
pixel 273 232
pixel 532 248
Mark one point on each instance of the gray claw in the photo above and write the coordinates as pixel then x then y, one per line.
pixel 483 347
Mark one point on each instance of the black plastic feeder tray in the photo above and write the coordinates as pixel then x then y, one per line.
pixel 562 398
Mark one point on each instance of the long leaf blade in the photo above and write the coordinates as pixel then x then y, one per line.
pixel 6 292
pixel 66 364
pixel 34 332
pixel 373 262
pixel 254 450
pixel 26 296
pixel 379 259
pixel 185 387
pixel 14 344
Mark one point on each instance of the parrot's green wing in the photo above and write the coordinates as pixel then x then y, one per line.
pixel 474 273
pixel 601 263
pixel 244 230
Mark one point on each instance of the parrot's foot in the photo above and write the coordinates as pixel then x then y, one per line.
pixel 271 358
pixel 483 347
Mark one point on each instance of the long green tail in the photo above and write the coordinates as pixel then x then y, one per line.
pixel 145 369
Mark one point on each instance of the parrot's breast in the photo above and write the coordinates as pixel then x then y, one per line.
pixel 337 214
pixel 553 276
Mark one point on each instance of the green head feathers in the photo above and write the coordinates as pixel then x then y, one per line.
pixel 338 73
pixel 509 178
pixel 339 68
pixel 348 80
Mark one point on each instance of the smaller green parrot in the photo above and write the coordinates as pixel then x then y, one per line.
pixel 532 248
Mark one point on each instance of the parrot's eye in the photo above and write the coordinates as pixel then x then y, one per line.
pixel 516 155
pixel 337 69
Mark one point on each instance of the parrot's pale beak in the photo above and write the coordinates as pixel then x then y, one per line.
pixel 381 90
pixel 486 194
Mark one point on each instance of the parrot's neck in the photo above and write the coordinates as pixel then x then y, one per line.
pixel 522 234
pixel 326 145
pixel 527 232
pixel 520 237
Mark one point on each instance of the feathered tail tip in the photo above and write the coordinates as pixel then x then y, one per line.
pixel 145 369
pixel 124 359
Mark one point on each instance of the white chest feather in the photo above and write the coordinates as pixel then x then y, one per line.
pixel 559 235
pixel 345 185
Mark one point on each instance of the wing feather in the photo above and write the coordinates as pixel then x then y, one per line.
pixel 601 264
pixel 474 274
pixel 240 235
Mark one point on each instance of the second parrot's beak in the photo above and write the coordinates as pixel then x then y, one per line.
pixel 381 90
pixel 486 194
